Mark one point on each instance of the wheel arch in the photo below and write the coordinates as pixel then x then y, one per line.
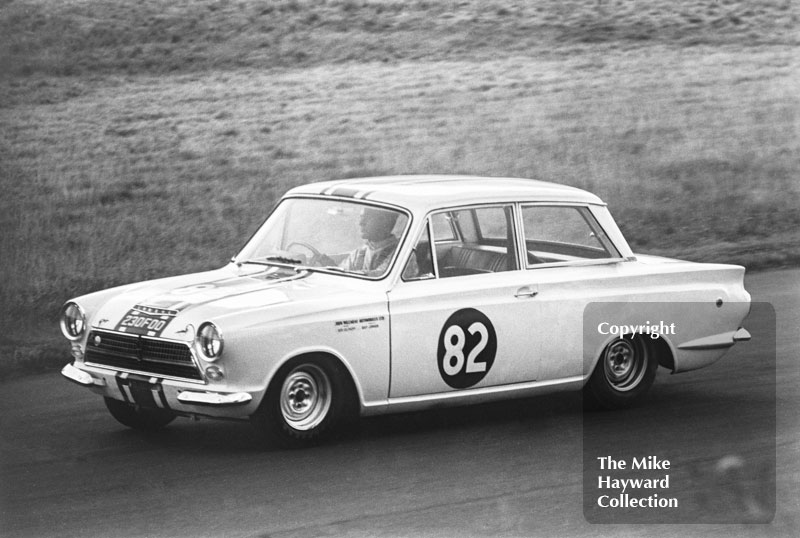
pixel 664 352
pixel 340 365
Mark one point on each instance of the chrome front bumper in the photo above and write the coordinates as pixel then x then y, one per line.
pixel 187 397
pixel 214 398
pixel 81 378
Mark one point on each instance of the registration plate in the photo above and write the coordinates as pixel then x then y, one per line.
pixel 144 320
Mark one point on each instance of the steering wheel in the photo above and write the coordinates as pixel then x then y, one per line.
pixel 317 257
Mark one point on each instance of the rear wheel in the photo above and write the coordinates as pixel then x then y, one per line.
pixel 139 418
pixel 623 375
pixel 305 403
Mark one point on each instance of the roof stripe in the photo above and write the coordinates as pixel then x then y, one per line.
pixel 364 194
pixel 345 191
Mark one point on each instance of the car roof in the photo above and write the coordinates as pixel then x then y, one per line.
pixel 428 192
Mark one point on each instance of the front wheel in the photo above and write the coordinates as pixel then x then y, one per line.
pixel 305 403
pixel 139 418
pixel 623 375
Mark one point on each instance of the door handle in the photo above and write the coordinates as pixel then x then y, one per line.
pixel 526 291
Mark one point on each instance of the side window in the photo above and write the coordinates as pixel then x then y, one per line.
pixel 481 240
pixel 563 233
pixel 420 263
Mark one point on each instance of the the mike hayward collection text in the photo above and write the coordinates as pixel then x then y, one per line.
pixel 624 492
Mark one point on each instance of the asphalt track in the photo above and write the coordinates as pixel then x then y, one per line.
pixel 510 469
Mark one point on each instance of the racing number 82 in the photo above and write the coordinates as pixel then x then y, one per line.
pixel 467 347
pixel 455 350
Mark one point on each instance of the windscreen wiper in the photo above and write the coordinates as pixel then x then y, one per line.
pixel 283 259
pixel 272 260
pixel 333 268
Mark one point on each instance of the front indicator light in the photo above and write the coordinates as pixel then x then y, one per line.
pixel 77 352
pixel 209 339
pixel 73 321
pixel 215 373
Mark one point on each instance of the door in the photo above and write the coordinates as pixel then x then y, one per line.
pixel 573 262
pixel 464 315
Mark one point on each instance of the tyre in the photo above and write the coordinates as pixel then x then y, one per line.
pixel 622 376
pixel 305 404
pixel 139 418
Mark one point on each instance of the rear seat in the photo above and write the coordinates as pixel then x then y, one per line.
pixel 472 259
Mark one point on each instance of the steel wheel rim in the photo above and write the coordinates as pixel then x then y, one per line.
pixel 305 397
pixel 624 364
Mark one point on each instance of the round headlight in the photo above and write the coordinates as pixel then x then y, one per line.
pixel 210 340
pixel 73 321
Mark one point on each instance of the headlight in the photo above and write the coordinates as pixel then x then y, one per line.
pixel 210 340
pixel 73 321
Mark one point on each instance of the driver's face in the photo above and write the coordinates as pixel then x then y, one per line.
pixel 375 224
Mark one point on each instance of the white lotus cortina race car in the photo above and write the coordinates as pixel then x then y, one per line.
pixel 378 295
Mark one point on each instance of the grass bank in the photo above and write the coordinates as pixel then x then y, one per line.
pixel 72 37
pixel 114 172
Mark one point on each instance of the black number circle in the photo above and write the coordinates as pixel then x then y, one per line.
pixel 467 346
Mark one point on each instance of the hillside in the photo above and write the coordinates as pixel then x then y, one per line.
pixel 104 36
pixel 139 141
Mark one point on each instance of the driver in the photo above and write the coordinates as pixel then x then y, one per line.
pixel 373 257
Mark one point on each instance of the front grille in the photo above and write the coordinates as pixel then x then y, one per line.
pixel 141 354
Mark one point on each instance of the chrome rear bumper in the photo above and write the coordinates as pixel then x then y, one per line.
pixel 741 335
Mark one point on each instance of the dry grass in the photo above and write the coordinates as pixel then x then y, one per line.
pixel 69 37
pixel 127 170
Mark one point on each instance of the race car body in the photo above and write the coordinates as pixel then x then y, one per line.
pixel 376 295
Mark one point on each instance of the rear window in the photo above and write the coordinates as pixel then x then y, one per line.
pixel 563 233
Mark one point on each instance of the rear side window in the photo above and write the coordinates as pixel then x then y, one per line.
pixel 563 233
